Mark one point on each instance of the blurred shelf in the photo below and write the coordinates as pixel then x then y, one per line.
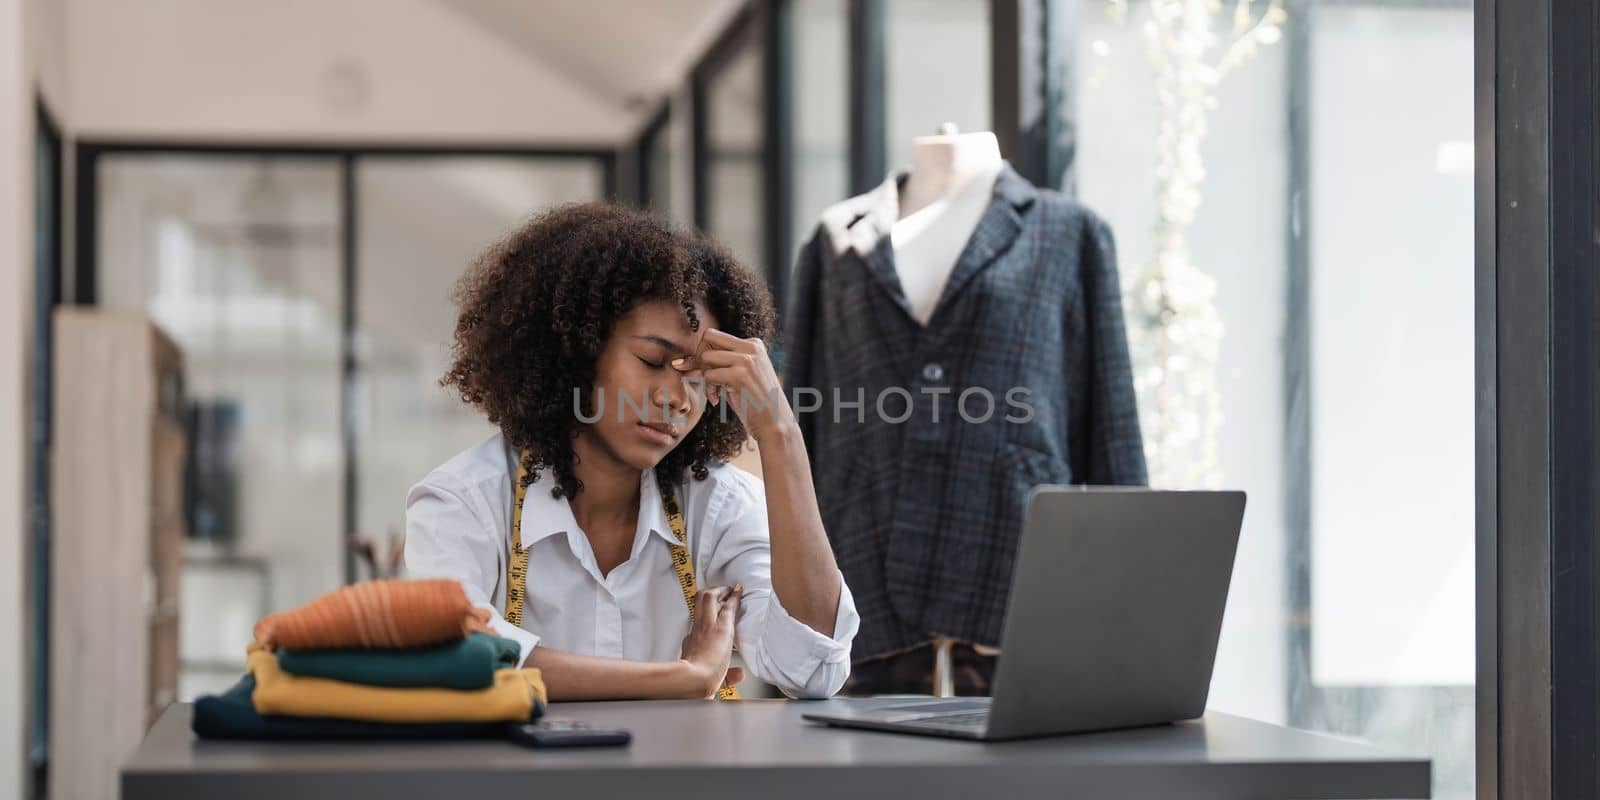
pixel 116 505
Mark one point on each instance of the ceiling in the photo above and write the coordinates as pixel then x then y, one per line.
pixel 628 52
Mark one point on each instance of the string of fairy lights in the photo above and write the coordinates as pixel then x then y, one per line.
pixel 1175 331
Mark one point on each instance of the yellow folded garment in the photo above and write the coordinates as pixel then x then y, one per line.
pixel 515 696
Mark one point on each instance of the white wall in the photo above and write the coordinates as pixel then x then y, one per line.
pixel 356 70
pixel 47 33
pixel 16 209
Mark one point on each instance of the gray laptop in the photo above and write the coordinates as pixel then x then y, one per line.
pixel 1116 605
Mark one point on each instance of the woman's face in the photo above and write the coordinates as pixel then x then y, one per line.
pixel 646 406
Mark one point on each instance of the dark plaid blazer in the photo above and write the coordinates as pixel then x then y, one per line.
pixel 924 515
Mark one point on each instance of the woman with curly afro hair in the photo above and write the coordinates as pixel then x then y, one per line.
pixel 624 363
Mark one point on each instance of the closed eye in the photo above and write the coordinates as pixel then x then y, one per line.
pixel 650 364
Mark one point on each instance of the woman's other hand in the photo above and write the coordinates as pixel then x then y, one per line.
pixel 709 646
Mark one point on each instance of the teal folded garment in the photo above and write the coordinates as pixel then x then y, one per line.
pixel 232 715
pixel 467 664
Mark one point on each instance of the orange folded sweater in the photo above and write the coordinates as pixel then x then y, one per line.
pixel 386 614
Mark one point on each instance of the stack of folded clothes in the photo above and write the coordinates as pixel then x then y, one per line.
pixel 398 659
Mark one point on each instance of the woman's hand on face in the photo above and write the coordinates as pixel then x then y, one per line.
pixel 709 645
pixel 740 372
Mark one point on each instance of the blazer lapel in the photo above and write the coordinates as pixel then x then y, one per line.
pixel 866 222
pixel 880 262
pixel 868 236
pixel 997 230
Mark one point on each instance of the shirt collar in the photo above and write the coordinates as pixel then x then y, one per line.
pixel 544 516
pixel 863 220
pixel 652 515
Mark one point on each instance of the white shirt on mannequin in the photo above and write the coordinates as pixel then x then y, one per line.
pixel 944 198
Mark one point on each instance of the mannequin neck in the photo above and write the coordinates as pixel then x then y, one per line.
pixel 944 165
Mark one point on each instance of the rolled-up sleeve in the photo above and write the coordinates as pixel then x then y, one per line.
pixel 447 536
pixel 779 649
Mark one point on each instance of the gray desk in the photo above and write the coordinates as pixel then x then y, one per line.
pixel 763 750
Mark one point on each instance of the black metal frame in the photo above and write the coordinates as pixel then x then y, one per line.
pixel 349 257
pixel 1538 423
pixel 1574 396
pixel 1031 88
pixel 52 130
pixel 642 149
pixel 87 205
pixel 1486 513
pixel 778 143
pixel 47 294
pixel 868 41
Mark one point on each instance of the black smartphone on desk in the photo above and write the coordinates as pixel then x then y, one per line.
pixel 568 733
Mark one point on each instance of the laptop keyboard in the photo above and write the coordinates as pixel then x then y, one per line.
pixel 972 720
pixel 942 707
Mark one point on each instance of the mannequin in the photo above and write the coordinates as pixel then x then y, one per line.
pixel 949 188
pixel 927 279
pixel 944 197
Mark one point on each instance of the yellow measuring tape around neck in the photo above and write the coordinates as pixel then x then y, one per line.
pixel 517 565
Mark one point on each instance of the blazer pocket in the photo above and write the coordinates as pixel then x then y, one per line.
pixel 1018 469
pixel 1027 466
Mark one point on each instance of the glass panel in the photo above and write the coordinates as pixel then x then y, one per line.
pixel 420 222
pixel 659 155
pixel 733 156
pixel 237 259
pixel 821 105
pixel 936 70
pixel 1392 535
pixel 1383 649
pixel 1238 236
pixel 1406 618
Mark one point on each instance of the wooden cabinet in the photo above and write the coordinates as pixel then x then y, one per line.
pixel 117 532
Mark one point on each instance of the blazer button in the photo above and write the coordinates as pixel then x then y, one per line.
pixel 932 372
